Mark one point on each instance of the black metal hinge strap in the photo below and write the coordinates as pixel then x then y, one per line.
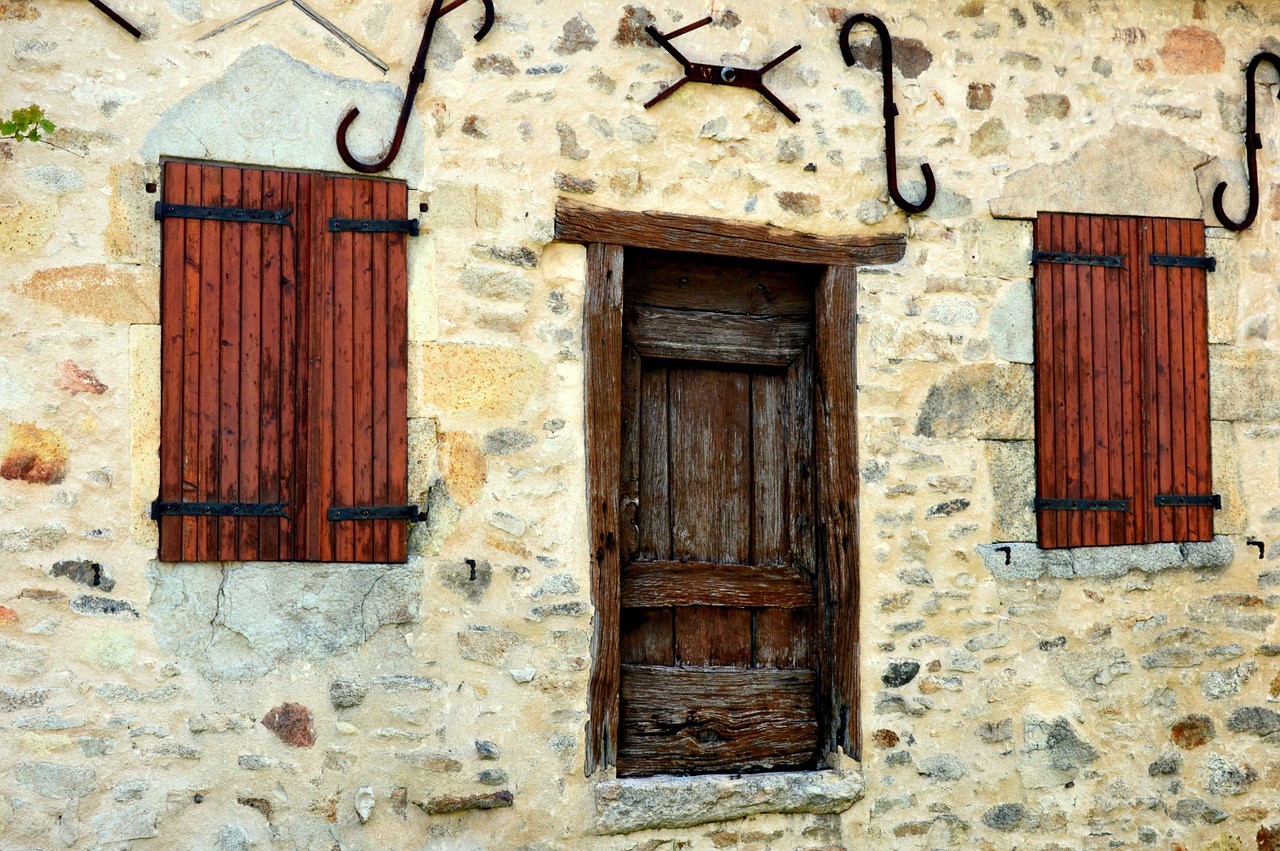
pixel 223 214
pixel 218 509
pixel 1209 264
pixel 1083 504
pixel 1182 499
pixel 1110 260
pixel 379 512
pixel 409 226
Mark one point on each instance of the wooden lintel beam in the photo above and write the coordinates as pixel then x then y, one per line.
pixel 587 223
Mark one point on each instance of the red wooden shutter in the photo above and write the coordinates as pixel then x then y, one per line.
pixel 1177 394
pixel 1121 381
pixel 283 368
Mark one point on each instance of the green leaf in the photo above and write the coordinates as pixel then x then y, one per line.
pixel 47 126
pixel 8 128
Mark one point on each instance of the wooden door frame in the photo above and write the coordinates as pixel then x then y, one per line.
pixel 606 233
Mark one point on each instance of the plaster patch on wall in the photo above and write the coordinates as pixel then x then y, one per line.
pixel 1132 171
pixel 273 110
pixel 241 622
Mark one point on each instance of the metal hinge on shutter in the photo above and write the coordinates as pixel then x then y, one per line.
pixel 1083 504
pixel 1166 500
pixel 218 509
pixel 1113 261
pixel 1209 264
pixel 409 226
pixel 223 214
pixel 379 512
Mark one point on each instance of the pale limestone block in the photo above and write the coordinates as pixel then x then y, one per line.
pixel 1011 465
pixel 270 109
pixel 1131 171
pixel 108 293
pixel 144 432
pixel 1242 384
pixel 466 378
pixel 27 228
pixel 1223 288
pixel 1010 325
pixel 1233 517
pixel 998 249
pixel 424 298
pixel 564 266
pixel 992 401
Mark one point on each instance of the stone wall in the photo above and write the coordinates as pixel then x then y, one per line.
pixel 1108 700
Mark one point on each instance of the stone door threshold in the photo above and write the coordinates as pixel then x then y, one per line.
pixel 1027 561
pixel 664 801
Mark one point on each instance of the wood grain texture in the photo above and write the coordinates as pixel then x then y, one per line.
pixel 837 485
pixel 696 282
pixel 173 260
pixel 730 338
pixel 674 583
pixel 586 223
pixel 706 719
pixel 602 362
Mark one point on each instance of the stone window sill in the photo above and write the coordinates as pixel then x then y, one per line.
pixel 664 801
pixel 1027 561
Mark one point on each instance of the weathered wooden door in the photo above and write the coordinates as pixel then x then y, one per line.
pixel 717 494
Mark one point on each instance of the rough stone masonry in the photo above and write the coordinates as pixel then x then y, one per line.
pixel 1083 700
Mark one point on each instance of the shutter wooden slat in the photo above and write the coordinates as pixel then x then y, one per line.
pixel 229 328
pixel 1203 477
pixel 397 372
pixel 379 332
pixel 343 447
pixel 191 364
pixel 173 325
pixel 1088 279
pixel 1106 333
pixel 210 363
pixel 1042 299
pixel 1071 386
pixel 362 371
pixel 251 375
pixel 1137 520
pixel 272 371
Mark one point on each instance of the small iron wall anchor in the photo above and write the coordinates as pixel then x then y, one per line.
pixel 416 75
pixel 1252 142
pixel 890 111
pixel 718 75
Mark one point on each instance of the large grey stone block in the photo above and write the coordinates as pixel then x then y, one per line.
pixel 625 806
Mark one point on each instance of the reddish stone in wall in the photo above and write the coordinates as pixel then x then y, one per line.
pixel 75 380
pixel 7 616
pixel 1191 50
pixel 34 455
pixel 1192 731
pixel 291 722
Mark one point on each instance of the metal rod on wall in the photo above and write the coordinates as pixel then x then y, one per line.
pixel 1252 142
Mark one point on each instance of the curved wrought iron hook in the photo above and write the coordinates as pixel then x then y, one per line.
pixel 1252 142
pixel 416 75
pixel 890 111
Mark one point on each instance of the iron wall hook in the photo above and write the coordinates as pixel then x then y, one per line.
pixel 416 75
pixel 1252 142
pixel 890 111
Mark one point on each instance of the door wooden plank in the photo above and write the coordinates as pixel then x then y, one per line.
pixel 602 362
pixel 172 384
pixel 646 637
pixel 629 477
pixel 710 421
pixel 251 415
pixel 696 720
pixel 398 373
pixel 380 437
pixel 802 551
pixel 696 282
pixel 687 583
pixel 654 514
pixel 727 338
pixel 837 464
pixel 768 468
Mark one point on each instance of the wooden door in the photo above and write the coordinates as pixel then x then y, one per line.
pixel 718 556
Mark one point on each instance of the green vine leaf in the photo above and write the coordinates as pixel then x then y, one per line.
pixel 24 125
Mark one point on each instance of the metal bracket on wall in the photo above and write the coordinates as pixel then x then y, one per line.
pixel 1252 142
pixel 115 16
pixel 890 112
pixel 718 75
pixel 416 75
